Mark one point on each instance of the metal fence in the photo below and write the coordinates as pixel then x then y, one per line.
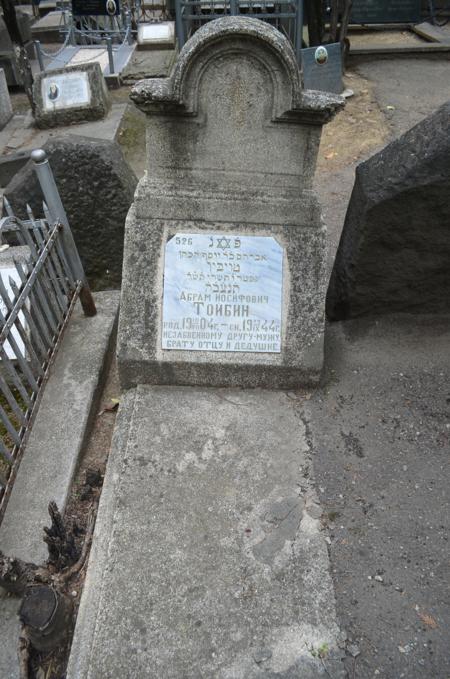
pixel 286 15
pixel 38 291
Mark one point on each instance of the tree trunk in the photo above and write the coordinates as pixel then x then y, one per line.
pixel 314 10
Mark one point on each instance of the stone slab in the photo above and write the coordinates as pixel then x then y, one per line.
pixel 69 95
pixel 148 64
pixel 20 134
pixel 47 29
pixel 6 110
pixel 208 559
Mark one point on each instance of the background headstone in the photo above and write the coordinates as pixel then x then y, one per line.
pixel 6 111
pixel 224 264
pixel 322 68
pixel 70 95
pixel 96 186
pixel 394 252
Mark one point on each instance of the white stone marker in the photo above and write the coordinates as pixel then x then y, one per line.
pixel 222 292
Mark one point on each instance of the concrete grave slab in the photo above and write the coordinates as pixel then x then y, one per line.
pixel 208 559
pixel 231 154
pixel 69 95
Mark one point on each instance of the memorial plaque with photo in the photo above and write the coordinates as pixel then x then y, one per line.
pixel 385 11
pixel 322 68
pixel 68 90
pixel 222 292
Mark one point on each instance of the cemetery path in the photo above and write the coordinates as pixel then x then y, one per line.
pixel 381 439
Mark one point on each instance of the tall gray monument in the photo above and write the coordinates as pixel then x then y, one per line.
pixel 224 265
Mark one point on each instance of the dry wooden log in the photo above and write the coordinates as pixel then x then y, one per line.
pixel 24 655
pixel 62 551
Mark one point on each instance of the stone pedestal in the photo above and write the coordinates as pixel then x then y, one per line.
pixel 224 266
pixel 6 111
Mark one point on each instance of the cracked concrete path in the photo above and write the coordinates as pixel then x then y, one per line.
pixel 208 560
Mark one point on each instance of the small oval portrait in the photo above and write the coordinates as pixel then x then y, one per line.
pixel 53 92
pixel 321 55
pixel 111 7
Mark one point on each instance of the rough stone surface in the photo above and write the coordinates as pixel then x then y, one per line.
pixel 97 107
pixel 394 250
pixel 96 186
pixel 52 452
pixel 6 111
pixel 205 560
pixel 231 149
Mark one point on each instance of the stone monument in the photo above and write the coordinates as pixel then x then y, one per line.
pixel 70 95
pixel 224 265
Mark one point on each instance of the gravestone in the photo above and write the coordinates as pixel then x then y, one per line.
pixel 6 111
pixel 224 264
pixel 394 251
pixel 70 95
pixel 322 68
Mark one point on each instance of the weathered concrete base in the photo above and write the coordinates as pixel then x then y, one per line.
pixel 53 449
pixel 208 559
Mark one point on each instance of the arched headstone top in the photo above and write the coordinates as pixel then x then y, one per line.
pixel 223 38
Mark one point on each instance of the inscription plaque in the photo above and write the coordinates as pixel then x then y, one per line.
pixel 66 90
pixel 222 292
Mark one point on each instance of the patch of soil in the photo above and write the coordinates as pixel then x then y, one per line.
pixel 356 131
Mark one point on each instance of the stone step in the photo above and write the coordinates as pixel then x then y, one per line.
pixel 208 559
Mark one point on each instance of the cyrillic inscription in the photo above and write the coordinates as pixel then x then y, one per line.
pixel 222 292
